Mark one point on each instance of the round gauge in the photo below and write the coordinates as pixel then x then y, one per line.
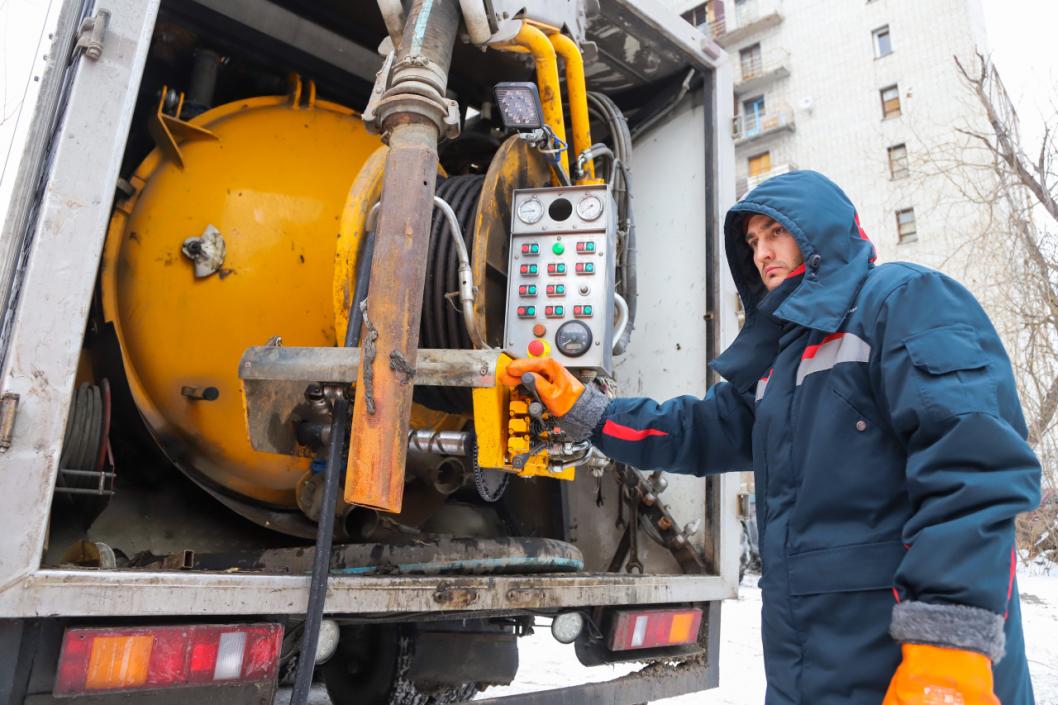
pixel 573 338
pixel 590 207
pixel 531 211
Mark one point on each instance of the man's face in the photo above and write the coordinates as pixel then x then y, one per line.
pixel 775 252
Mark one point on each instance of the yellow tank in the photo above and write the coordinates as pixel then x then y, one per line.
pixel 271 176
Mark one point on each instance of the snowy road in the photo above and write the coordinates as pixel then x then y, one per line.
pixel 547 664
pixel 742 667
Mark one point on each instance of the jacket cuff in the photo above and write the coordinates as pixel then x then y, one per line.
pixel 585 414
pixel 952 626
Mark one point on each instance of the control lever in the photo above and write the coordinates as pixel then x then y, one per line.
pixel 529 382
pixel 536 411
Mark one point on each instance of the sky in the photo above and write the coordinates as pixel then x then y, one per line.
pixel 1021 40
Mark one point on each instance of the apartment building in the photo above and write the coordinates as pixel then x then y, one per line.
pixel 862 91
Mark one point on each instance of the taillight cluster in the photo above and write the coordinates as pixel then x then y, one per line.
pixel 100 660
pixel 647 629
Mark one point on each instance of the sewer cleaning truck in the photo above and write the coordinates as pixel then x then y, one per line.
pixel 262 263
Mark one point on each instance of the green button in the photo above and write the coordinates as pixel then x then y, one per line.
pixel 591 247
pixel 532 290
pixel 587 310
pixel 532 269
pixel 561 269
pixel 561 288
pixel 531 311
pixel 558 248
pixel 535 248
pixel 590 267
pixel 558 310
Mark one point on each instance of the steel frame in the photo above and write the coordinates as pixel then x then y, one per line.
pixel 41 364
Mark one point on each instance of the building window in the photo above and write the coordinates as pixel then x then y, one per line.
pixel 699 15
pixel 752 116
pixel 898 168
pixel 890 102
pixel 750 61
pixel 760 164
pixel 883 45
pixel 905 225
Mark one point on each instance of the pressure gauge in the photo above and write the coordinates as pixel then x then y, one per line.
pixel 590 207
pixel 530 211
pixel 573 338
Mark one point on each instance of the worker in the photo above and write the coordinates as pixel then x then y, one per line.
pixel 877 408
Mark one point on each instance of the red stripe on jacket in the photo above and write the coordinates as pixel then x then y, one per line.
pixel 863 236
pixel 796 272
pixel 625 433
pixel 811 350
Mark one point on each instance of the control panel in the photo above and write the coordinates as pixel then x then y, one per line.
pixel 560 283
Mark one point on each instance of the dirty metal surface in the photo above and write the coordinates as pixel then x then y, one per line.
pixel 382 408
pixel 440 368
pixel 642 41
pixel 112 593
pixel 274 381
pixel 427 555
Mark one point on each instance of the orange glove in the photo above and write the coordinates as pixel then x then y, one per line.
pixel 557 387
pixel 933 675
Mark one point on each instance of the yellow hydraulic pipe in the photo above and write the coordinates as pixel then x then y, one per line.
pixel 546 60
pixel 578 101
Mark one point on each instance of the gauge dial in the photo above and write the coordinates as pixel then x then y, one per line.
pixel 590 207
pixel 531 211
pixel 573 338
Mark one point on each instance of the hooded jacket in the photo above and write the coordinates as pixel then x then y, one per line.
pixel 878 411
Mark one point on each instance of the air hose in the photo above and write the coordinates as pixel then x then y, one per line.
pixel 321 562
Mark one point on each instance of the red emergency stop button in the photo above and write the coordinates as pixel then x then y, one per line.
pixel 537 348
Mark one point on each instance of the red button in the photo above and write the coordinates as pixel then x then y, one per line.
pixel 536 347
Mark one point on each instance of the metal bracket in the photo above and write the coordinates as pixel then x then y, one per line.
pixel 8 412
pixel 274 380
pixel 90 35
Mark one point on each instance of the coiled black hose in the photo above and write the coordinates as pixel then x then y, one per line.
pixel 442 324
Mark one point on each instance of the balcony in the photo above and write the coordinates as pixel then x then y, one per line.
pixel 749 128
pixel 750 17
pixel 751 182
pixel 758 72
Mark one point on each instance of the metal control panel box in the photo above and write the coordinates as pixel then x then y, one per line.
pixel 560 283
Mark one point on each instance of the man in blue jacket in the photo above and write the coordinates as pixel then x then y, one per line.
pixel 877 408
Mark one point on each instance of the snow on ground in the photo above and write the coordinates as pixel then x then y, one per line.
pixel 547 664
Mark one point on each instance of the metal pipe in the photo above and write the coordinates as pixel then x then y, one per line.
pixel 393 15
pixel 466 276
pixel 476 20
pixel 204 78
pixel 393 308
pixel 577 93
pixel 439 442
pixel 622 308
pixel 545 58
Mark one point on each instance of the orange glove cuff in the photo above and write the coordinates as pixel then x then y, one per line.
pixel 931 675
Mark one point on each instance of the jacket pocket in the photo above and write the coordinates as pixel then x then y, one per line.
pixel 952 371
pixel 850 568
pixel 946 349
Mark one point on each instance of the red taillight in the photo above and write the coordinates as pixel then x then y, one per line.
pixel 108 660
pixel 647 629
